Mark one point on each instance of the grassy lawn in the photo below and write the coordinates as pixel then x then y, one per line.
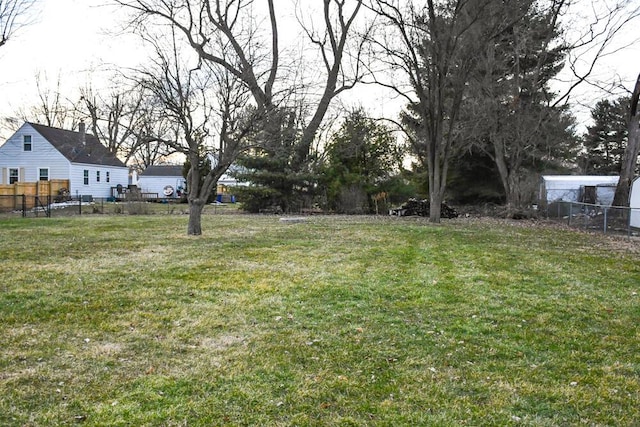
pixel 125 320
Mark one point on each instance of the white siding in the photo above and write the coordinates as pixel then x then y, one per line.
pixel 634 203
pixel 42 155
pixel 45 155
pixel 117 175
pixel 156 184
pixel 568 187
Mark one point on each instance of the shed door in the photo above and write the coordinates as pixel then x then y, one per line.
pixel 590 194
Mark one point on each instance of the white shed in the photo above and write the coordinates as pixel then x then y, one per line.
pixel 577 188
pixel 634 203
pixel 164 180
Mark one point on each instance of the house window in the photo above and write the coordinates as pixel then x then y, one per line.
pixel 86 177
pixel 97 176
pixel 108 177
pixel 26 142
pixel 43 174
pixel 14 175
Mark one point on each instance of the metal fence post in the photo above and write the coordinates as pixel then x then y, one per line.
pixel 585 209
pixel 24 206
pixel 570 213
pixel 605 220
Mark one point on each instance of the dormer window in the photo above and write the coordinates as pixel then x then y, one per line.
pixel 26 142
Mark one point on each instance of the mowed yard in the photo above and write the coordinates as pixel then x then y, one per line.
pixel 337 321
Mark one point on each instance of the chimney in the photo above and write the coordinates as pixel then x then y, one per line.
pixel 82 131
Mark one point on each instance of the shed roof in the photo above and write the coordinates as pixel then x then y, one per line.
pixel 571 181
pixel 163 170
pixel 70 145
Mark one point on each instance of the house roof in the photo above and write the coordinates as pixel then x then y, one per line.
pixel 163 170
pixel 69 144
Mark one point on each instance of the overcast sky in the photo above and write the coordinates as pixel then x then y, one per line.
pixel 73 40
pixel 70 40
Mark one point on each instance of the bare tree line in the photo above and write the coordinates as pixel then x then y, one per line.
pixel 14 15
pixel 217 82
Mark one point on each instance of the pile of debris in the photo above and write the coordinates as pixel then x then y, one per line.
pixel 415 207
pixel 63 196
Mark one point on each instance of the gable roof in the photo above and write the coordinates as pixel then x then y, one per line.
pixel 69 144
pixel 162 170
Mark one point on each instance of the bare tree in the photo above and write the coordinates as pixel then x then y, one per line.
pixel 433 47
pixel 14 14
pixel 210 25
pixel 195 101
pixel 631 152
pixel 593 30
pixel 522 118
pixel 509 110
pixel 148 149
pixel 122 120
pixel 438 49
pixel 53 109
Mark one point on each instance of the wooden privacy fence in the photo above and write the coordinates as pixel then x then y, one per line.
pixel 31 190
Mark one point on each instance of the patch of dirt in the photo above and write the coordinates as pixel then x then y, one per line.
pixel 223 342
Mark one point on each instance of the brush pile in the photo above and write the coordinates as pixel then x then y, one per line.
pixel 415 207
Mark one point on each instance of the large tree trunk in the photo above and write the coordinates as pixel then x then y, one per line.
pixel 514 195
pixel 435 206
pixel 435 184
pixel 195 217
pixel 630 157
pixel 508 175
pixel 629 162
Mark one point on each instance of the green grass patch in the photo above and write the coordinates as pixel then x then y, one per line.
pixel 125 320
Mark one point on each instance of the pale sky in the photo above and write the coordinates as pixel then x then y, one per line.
pixel 70 40
pixel 74 40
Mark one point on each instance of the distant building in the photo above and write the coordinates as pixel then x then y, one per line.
pixel 592 189
pixel 578 188
pixel 42 153
pixel 164 180
pixel 167 181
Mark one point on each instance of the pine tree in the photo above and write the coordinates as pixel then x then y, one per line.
pixel 362 160
pixel 605 141
pixel 510 107
pixel 279 180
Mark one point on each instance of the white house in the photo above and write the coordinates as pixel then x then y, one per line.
pixel 164 180
pixel 41 153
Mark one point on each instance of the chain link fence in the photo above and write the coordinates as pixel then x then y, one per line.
pixel 598 218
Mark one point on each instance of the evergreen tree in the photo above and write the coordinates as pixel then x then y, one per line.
pixel 474 179
pixel 510 111
pixel 605 141
pixel 279 180
pixel 362 160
